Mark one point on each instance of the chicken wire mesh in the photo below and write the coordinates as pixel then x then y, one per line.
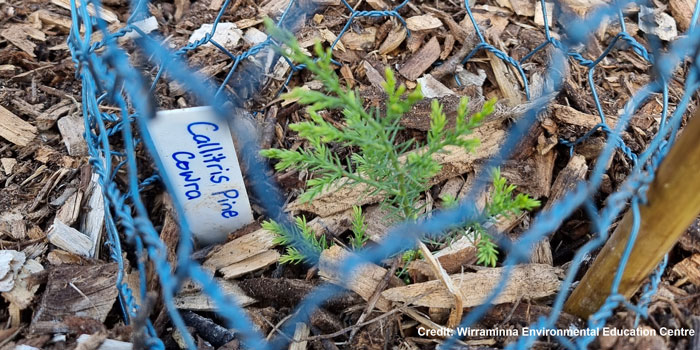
pixel 119 98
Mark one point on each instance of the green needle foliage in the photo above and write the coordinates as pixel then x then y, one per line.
pixel 359 230
pixel 500 203
pixel 292 255
pixel 398 170
pixel 379 161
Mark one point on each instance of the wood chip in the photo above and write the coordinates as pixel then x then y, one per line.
pixel 193 298
pixel 22 293
pixel 301 331
pixel 464 32
pixel 18 35
pixel 181 6
pixel 35 233
pixel 580 6
pixel 531 281
pixel 360 41
pixel 455 315
pixel 346 73
pixel 457 255
pixel 176 89
pixel 77 293
pixel 216 4
pixel 14 129
pixel 567 179
pixel 8 164
pixel 533 175
pixel 47 119
pixel 423 22
pixel 27 109
pixel 248 22
pixel 330 38
pixel 393 40
pixel 492 21
pixel 146 25
pixel 251 264
pixel 376 223
pixel 105 344
pixel 331 225
pixel 462 253
pixel 69 239
pixel 571 116
pixel 105 13
pixel 254 251
pixel 448 46
pixel 378 5
pixel 375 78
pixel 12 223
pixel 72 129
pixel 50 18
pixel 11 262
pixel 419 62
pixel 415 41
pixel 240 249
pixel 507 83
pixel 8 70
pixel 682 11
pixel 69 212
pixel 451 187
pixel 254 36
pixel 364 280
pixel 689 268
pixel 453 258
pixel 524 7
pixel 58 257
pixel 94 219
pixel 539 19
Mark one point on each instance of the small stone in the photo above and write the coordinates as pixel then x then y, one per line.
pixel 657 23
pixel 227 34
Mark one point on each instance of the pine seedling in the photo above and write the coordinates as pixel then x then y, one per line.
pixel 359 230
pixel 500 203
pixel 283 237
pixel 486 250
pixel 449 201
pixel 395 169
pixel 406 258
pixel 387 166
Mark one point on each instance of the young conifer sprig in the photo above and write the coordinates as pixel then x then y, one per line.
pixel 398 170
pixel 359 229
pixel 394 169
pixel 500 203
pixel 292 254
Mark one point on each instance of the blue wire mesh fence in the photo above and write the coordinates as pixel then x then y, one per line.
pixel 110 78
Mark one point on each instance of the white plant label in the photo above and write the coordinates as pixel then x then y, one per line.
pixel 197 152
